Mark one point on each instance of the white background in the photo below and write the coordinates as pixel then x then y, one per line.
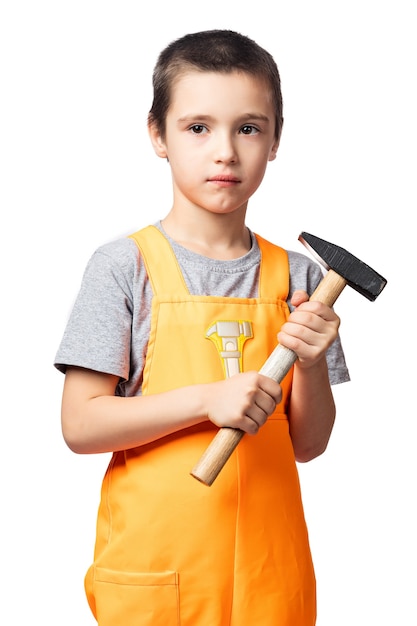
pixel 77 170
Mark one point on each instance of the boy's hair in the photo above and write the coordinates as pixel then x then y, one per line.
pixel 222 51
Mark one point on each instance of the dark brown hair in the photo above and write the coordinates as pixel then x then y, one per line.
pixel 223 51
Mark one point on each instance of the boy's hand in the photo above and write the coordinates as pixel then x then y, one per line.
pixel 311 329
pixel 242 401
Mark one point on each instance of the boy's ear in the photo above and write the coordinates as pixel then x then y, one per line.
pixel 274 150
pixel 157 141
pixel 275 145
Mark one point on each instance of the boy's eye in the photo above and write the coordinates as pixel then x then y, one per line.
pixel 248 129
pixel 197 129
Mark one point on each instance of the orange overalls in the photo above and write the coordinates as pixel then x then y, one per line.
pixel 171 551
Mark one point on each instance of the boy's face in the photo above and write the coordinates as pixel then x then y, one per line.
pixel 220 135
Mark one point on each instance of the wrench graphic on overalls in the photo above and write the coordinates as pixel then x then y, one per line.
pixel 229 337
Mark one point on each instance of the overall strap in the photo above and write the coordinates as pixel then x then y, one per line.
pixel 161 264
pixel 166 277
pixel 274 279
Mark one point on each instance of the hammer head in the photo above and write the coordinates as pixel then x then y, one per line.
pixel 357 274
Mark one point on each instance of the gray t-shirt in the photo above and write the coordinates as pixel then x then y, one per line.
pixel 109 325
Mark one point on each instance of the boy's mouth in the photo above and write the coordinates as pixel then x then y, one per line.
pixel 224 179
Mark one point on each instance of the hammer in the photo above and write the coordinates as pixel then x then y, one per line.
pixel 343 269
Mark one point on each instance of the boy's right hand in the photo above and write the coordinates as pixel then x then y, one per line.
pixel 243 401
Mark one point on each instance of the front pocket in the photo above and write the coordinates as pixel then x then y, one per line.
pixel 136 598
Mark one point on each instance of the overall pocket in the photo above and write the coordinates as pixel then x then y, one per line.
pixel 134 598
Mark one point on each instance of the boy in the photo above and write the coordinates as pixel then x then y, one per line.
pixel 151 373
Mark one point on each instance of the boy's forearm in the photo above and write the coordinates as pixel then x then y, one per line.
pixel 311 411
pixel 107 423
pixel 95 420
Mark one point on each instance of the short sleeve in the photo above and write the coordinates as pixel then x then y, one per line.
pixel 98 332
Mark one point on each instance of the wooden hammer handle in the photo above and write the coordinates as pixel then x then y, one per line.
pixel 276 366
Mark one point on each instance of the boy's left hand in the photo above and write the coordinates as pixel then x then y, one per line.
pixel 311 329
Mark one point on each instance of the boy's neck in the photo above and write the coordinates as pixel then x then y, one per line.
pixel 221 237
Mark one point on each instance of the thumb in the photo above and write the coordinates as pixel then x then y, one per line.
pixel 299 297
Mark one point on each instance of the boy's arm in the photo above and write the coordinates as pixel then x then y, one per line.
pixel 311 329
pixel 312 411
pixel 95 420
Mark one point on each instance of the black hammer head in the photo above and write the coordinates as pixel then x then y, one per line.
pixel 356 273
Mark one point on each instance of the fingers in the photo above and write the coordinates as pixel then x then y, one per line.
pixel 261 405
pixel 243 401
pixel 311 329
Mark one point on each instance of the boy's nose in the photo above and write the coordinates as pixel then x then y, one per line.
pixel 225 151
